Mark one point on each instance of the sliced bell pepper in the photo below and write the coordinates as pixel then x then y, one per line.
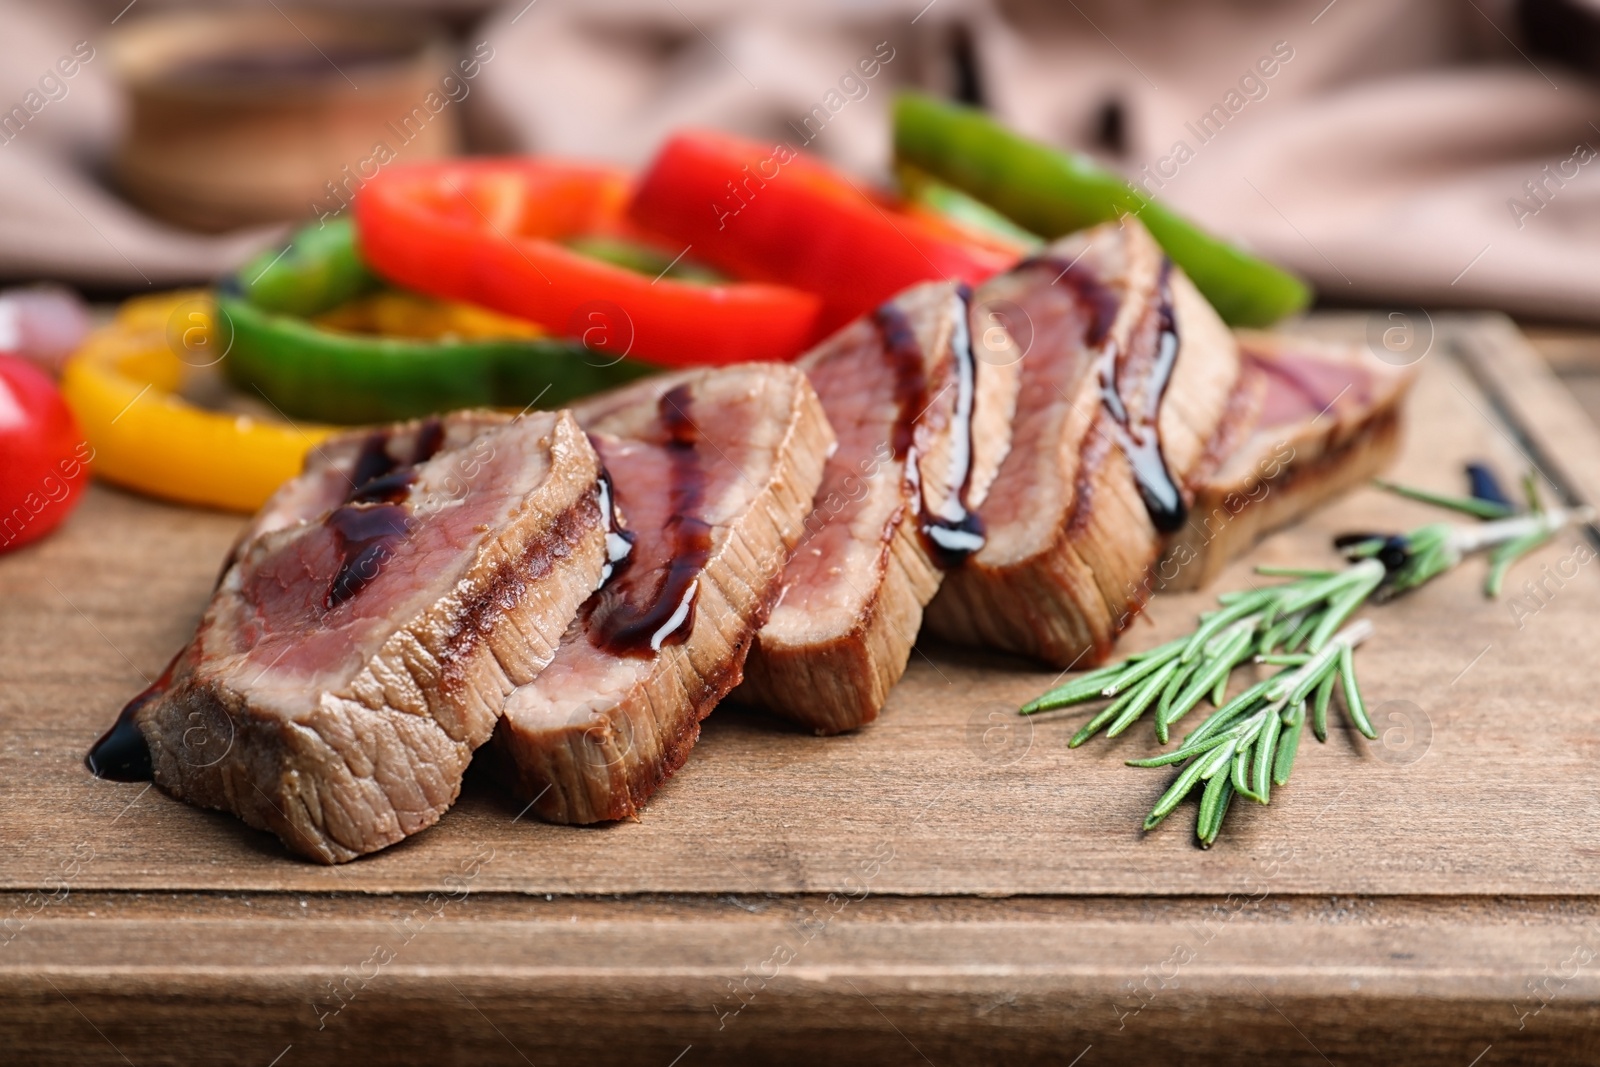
pixel 765 211
pixel 496 232
pixel 924 192
pixel 1052 193
pixel 123 387
pixel 314 331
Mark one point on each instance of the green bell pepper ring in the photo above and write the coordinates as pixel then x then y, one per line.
pixel 920 187
pixel 320 269
pixel 307 371
pixel 1053 193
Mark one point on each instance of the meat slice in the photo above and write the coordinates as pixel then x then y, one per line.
pixel 1128 374
pixel 714 472
pixel 363 639
pixel 923 417
pixel 1312 420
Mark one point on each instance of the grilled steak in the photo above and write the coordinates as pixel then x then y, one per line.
pixel 1312 420
pixel 363 639
pixel 714 472
pixel 923 423
pixel 1128 374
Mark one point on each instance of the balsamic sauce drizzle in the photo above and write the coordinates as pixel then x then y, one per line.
pixel 122 754
pixel 953 531
pixel 619 542
pixel 372 520
pixel 367 534
pixel 1139 433
pixel 669 617
pixel 910 382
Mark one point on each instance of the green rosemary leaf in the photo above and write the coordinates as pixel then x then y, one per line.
pixel 1296 685
pixel 1140 699
pixel 1179 755
pixel 1342 607
pixel 1177 791
pixel 1288 745
pixel 1272 636
pixel 1319 715
pixel 1530 490
pixel 1213 806
pixel 1242 762
pixel 1300 595
pixel 1229 714
pixel 1284 659
pixel 1214 621
pixel 1364 549
pixel 1432 553
pixel 1164 706
pixel 1291 572
pixel 1137 672
pixel 1507 554
pixel 1266 749
pixel 1352 694
pixel 1303 631
pixel 1106 714
pixel 1218 761
pixel 1229 654
pixel 1219 692
pixel 1483 509
pixel 1080 690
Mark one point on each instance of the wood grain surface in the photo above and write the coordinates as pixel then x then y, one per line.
pixel 949 885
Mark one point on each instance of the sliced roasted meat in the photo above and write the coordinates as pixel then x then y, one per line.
pixel 363 639
pixel 714 473
pixel 1127 376
pixel 923 417
pixel 1313 420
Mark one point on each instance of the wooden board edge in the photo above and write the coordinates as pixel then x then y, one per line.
pixel 1557 435
pixel 1207 983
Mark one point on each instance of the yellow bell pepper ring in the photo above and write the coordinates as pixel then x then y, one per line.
pixel 124 387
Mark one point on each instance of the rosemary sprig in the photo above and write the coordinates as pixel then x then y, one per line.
pixel 1484 507
pixel 1248 744
pixel 1262 623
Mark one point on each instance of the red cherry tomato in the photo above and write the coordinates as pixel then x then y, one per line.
pixel 44 459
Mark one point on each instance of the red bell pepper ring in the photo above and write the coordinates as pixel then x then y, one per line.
pixel 490 231
pixel 770 212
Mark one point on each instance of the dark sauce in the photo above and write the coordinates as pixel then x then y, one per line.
pixel 619 542
pixel 1485 486
pixel 1141 434
pixel 956 532
pixel 953 532
pixel 122 754
pixel 1100 299
pixel 430 438
pixel 372 521
pixel 373 460
pixel 366 534
pixel 910 383
pixel 669 616
pixel 1162 497
pixel 391 488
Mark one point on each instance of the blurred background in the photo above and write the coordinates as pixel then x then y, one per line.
pixel 1424 152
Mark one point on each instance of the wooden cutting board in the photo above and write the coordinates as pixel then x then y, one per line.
pixel 950 885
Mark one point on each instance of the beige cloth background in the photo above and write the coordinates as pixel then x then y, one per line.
pixel 1380 160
